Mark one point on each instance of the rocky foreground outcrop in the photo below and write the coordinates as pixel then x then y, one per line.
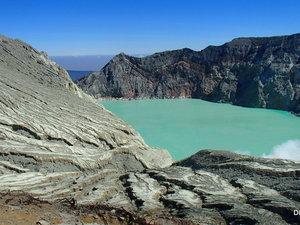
pixel 252 72
pixel 66 160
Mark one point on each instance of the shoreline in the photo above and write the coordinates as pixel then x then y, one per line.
pixel 186 98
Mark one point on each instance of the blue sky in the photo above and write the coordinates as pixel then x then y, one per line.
pixel 95 27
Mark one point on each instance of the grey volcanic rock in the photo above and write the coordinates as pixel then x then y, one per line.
pixel 273 173
pixel 253 72
pixel 66 160
pixel 271 184
pixel 52 134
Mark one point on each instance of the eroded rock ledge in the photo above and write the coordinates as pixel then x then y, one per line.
pixel 211 187
pixel 66 160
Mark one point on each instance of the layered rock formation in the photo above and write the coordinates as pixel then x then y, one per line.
pixel 66 160
pixel 252 72
pixel 46 118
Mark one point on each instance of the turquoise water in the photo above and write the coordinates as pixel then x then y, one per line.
pixel 184 126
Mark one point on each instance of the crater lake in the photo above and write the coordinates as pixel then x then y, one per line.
pixel 184 126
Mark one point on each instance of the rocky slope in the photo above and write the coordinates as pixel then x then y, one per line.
pixel 66 160
pixel 253 72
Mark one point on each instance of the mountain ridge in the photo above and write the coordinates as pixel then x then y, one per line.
pixel 253 72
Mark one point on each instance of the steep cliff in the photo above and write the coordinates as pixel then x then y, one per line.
pixel 252 72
